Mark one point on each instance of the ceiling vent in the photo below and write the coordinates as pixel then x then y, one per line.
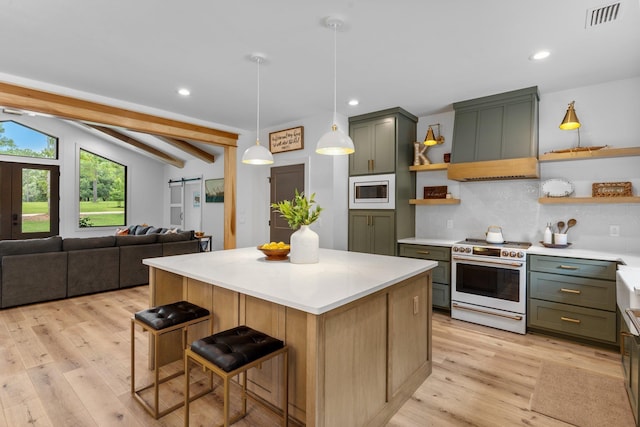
pixel 601 15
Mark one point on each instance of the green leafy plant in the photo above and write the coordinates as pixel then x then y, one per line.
pixel 298 211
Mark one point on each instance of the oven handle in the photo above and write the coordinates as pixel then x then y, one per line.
pixel 486 312
pixel 484 261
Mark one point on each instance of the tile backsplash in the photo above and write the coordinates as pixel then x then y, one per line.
pixel 513 205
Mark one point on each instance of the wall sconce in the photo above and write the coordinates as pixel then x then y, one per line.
pixel 421 148
pixel 571 121
pixel 431 139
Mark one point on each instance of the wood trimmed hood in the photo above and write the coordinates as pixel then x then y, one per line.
pixel 496 137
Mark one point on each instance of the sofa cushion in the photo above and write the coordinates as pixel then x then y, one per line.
pixel 175 237
pixel 136 240
pixel 80 243
pixel 30 246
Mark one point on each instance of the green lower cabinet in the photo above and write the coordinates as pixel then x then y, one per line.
pixel 572 320
pixel 630 354
pixel 372 231
pixel 440 275
pixel 573 297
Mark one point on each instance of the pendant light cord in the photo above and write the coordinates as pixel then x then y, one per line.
pixel 335 72
pixel 258 60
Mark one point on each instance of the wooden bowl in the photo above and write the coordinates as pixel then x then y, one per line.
pixel 199 233
pixel 275 254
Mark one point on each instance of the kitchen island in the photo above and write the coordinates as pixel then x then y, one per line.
pixel 358 325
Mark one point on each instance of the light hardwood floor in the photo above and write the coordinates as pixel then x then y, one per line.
pixel 67 363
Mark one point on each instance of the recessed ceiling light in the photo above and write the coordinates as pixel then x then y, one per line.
pixel 353 102
pixel 184 91
pixel 541 54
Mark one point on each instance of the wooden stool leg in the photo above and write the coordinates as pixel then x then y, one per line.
pixel 244 393
pixel 156 374
pixel 285 388
pixel 226 401
pixel 186 390
pixel 133 361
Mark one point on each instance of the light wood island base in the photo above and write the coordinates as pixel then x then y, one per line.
pixel 354 365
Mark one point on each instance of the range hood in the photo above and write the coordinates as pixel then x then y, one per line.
pixel 490 170
pixel 496 137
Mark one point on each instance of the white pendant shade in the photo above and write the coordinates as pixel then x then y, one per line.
pixel 335 143
pixel 257 155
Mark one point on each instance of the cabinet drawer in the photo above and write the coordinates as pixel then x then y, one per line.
pixel 573 266
pixel 435 253
pixel 442 272
pixel 441 296
pixel 571 320
pixel 592 293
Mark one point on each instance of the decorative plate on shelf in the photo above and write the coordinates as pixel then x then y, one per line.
pixel 553 245
pixel 557 188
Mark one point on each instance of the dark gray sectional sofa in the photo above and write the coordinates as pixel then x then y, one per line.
pixel 37 270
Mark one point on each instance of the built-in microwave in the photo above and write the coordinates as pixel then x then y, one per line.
pixel 372 192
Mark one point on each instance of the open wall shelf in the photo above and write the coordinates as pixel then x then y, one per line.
pixel 431 167
pixel 584 200
pixel 434 201
pixel 584 155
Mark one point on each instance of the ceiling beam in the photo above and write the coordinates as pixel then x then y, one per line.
pixel 140 145
pixel 189 148
pixel 76 109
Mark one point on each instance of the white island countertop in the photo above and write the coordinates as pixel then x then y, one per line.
pixel 339 278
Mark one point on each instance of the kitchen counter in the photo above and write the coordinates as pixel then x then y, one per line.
pixel 631 260
pixel 423 241
pixel 358 325
pixel 338 279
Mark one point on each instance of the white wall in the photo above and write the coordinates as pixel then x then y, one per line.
pixel 326 176
pixel 608 113
pixel 144 195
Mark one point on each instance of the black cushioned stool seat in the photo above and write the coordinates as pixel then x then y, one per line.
pixel 168 315
pixel 159 321
pixel 232 352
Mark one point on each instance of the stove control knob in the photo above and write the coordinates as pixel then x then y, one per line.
pixel 467 250
pixel 505 253
pixel 512 254
pixel 455 249
pixel 520 255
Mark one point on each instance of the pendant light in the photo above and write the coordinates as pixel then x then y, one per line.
pixel 335 142
pixel 257 154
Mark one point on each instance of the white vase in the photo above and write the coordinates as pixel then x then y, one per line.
pixel 305 245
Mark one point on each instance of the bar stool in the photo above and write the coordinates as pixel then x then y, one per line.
pixel 159 321
pixel 233 352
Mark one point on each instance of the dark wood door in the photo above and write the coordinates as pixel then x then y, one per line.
pixel 29 202
pixel 285 180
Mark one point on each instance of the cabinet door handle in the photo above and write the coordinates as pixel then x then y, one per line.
pixel 371 165
pixel 569 319
pixel 571 291
pixel 567 267
pixel 423 252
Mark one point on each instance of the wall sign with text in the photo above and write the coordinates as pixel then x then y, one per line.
pixel 286 140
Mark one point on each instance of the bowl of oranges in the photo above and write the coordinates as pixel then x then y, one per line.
pixel 275 251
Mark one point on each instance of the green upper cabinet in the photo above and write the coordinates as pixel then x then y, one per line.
pixel 383 141
pixel 375 147
pixel 496 127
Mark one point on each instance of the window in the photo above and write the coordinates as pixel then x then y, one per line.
pixel 19 140
pixel 102 192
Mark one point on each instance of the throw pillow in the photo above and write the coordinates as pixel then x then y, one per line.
pixel 122 231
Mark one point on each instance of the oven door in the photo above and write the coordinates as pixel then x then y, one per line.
pixel 498 284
